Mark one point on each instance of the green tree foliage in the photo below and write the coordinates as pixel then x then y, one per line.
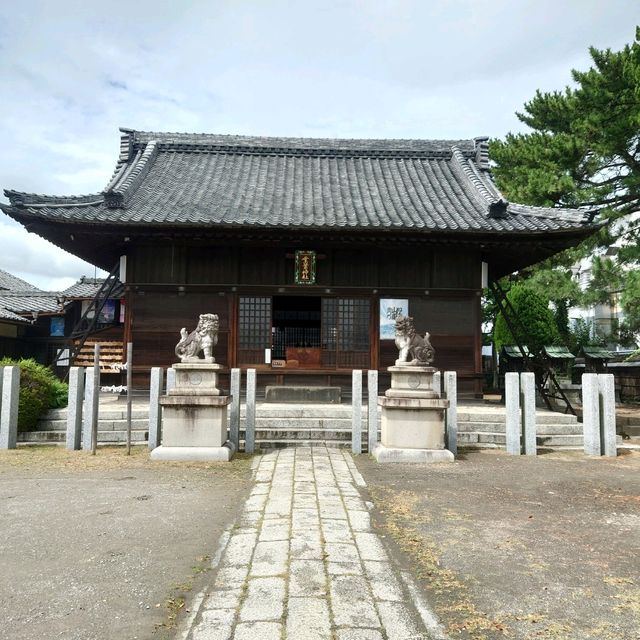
pixel 535 315
pixel 583 149
pixel 40 390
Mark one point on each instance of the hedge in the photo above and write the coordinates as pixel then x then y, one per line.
pixel 40 391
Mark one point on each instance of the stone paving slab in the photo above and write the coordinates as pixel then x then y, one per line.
pixel 303 563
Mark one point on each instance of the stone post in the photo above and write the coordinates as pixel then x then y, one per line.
pixel 234 417
pixel 74 408
pixel 591 414
pixel 356 411
pixel 451 414
pixel 512 405
pixel 250 413
pixel 90 400
pixel 372 409
pixel 528 400
pixel 437 383
pixel 9 410
pixel 155 412
pixel 606 385
pixel 171 379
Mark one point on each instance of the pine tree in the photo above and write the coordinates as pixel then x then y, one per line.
pixel 584 150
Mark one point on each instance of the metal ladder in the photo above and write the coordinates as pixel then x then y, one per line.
pixel 546 381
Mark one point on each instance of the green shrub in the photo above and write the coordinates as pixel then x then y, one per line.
pixel 534 314
pixel 40 390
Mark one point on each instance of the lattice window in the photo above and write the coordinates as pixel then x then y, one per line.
pixel 254 329
pixel 345 332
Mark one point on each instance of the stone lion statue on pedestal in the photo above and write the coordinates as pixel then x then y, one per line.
pixel 414 349
pixel 204 338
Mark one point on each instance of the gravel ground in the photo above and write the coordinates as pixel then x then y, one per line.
pixel 108 546
pixel 519 547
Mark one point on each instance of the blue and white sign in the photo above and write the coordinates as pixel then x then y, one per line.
pixel 390 309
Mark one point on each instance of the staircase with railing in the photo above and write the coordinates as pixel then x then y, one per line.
pixel 86 325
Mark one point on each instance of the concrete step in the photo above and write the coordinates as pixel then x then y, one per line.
pixel 499 439
pixel 542 417
pixel 281 444
pixel 104 437
pixel 303 423
pixel 304 434
pixel 499 427
pixel 103 424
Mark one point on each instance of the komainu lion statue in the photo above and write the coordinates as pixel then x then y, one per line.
pixel 204 338
pixel 414 349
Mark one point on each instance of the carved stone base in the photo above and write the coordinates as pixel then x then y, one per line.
pixel 194 416
pixel 394 454
pixel 412 420
pixel 196 379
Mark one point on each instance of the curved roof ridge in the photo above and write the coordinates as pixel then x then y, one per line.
pixel 468 147
pixel 465 170
pixel 124 186
pixel 18 198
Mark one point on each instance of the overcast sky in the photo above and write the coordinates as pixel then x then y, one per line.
pixel 73 72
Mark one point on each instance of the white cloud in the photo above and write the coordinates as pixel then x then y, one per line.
pixel 73 72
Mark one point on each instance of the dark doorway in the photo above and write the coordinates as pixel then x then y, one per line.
pixel 296 328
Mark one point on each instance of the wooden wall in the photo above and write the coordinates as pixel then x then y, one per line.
pixel 442 286
pixel 411 267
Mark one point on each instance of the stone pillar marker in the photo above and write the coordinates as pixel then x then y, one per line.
pixel 250 413
pixel 591 414
pixel 372 409
pixel 528 400
pixel 451 415
pixel 356 411
pixel 171 379
pixel 194 412
pixel 413 422
pixel 9 409
pixel 512 405
pixel 234 414
pixel 90 400
pixel 607 391
pixel 155 411
pixel 437 383
pixel 74 408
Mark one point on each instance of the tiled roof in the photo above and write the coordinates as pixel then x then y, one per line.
pixel 203 180
pixel 5 314
pixel 30 301
pixel 88 287
pixel 10 282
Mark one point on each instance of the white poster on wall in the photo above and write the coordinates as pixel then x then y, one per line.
pixel 390 309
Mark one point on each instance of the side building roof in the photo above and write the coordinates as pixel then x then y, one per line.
pixel 219 182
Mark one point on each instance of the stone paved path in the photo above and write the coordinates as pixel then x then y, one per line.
pixel 303 563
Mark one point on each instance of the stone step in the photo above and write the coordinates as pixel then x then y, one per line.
pixel 281 444
pixel 303 423
pixel 104 437
pixel 543 429
pixel 542 417
pixel 265 410
pixel 304 434
pixel 499 440
pixel 103 424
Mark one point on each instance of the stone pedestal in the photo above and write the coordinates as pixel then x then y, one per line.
pixel 194 416
pixel 412 418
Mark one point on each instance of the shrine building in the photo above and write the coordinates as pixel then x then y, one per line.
pixel 305 248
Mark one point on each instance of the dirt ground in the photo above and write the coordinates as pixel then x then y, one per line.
pixel 108 546
pixel 519 547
